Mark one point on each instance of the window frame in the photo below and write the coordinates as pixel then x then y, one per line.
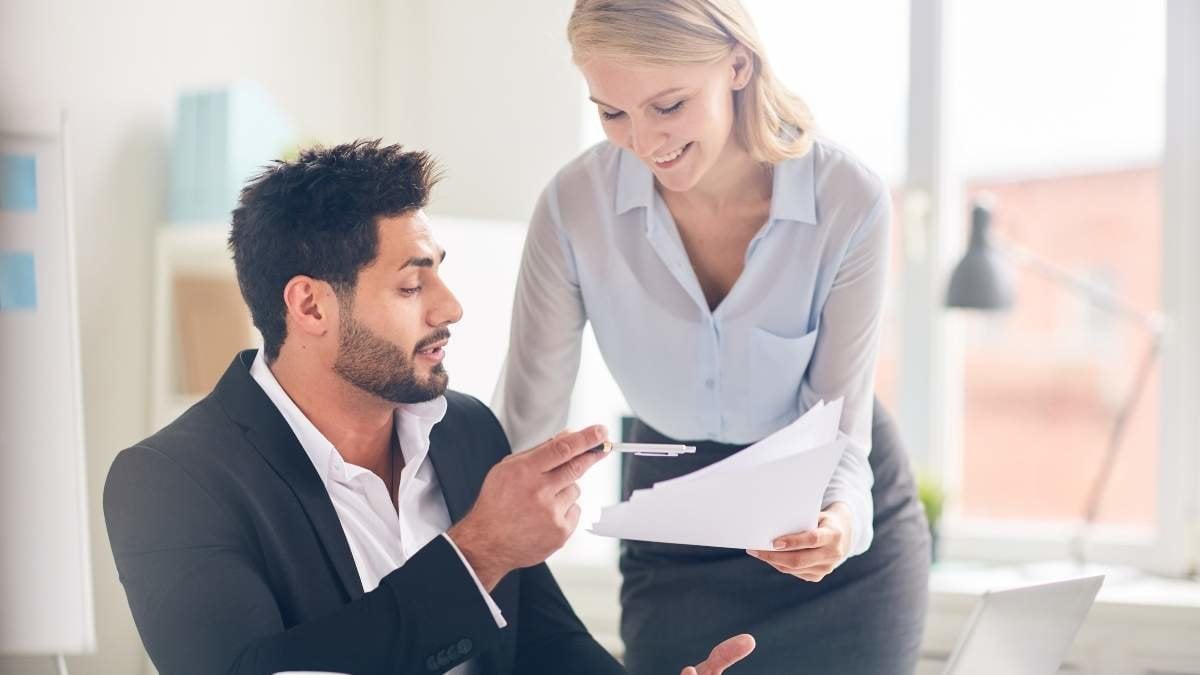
pixel 932 350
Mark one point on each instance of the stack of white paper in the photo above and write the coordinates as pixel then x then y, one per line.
pixel 771 488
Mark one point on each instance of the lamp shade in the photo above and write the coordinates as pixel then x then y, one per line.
pixel 982 279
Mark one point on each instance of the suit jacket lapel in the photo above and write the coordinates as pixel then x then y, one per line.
pixel 446 453
pixel 460 476
pixel 246 403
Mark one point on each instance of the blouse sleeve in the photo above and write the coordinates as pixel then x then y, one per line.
pixel 843 362
pixel 533 394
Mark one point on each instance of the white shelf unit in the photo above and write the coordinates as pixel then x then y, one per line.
pixel 196 251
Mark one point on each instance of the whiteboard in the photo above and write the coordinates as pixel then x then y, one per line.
pixel 45 566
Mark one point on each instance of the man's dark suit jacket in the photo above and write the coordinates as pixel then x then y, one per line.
pixel 234 561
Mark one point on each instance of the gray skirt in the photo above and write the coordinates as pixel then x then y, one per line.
pixel 866 617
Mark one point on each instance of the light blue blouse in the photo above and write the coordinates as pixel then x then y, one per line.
pixel 801 323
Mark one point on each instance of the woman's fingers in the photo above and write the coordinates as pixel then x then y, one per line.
pixel 817 538
pixel 809 565
pixel 796 560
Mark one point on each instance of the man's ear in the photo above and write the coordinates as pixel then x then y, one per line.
pixel 311 305
pixel 742 63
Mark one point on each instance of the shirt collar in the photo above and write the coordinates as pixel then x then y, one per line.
pixel 793 190
pixel 413 422
pixel 635 183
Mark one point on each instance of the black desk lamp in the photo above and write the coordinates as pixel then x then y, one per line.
pixel 983 280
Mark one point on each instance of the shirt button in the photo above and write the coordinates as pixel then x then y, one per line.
pixel 709 383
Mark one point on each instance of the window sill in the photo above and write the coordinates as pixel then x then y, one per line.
pixel 1139 624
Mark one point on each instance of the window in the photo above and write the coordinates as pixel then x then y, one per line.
pixel 1065 133
pixel 1057 113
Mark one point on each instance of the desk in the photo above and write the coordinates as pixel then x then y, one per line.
pixel 1140 625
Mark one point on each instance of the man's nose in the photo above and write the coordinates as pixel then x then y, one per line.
pixel 446 310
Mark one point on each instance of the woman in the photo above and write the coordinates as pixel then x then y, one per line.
pixel 732 266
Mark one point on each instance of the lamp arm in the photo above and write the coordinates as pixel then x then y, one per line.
pixel 1097 295
pixel 1100 483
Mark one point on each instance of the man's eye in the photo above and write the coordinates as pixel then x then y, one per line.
pixel 410 291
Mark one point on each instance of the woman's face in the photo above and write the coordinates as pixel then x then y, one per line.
pixel 676 119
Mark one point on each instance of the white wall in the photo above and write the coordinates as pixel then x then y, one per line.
pixel 117 66
pixel 487 87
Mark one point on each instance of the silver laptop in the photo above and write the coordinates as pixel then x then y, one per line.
pixel 1023 631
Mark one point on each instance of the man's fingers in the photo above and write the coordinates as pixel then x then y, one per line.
pixel 563 448
pixel 732 650
pixel 548 441
pixel 572 516
pixel 726 654
pixel 568 495
pixel 573 470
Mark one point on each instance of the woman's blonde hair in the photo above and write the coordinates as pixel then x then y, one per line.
pixel 772 123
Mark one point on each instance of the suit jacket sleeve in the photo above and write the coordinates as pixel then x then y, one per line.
pixel 203 604
pixel 550 637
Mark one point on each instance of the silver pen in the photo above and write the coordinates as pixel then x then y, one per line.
pixel 648 449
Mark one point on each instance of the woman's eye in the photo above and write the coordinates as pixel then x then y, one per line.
pixel 669 109
pixel 611 115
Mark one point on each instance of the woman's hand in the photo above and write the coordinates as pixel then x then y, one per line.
pixel 723 655
pixel 812 555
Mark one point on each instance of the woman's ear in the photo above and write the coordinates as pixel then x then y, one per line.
pixel 742 64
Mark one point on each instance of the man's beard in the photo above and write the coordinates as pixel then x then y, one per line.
pixel 379 367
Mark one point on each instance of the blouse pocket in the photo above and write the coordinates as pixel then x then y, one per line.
pixel 778 365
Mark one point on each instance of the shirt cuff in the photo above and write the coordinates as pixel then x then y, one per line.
pixel 861 516
pixel 487 598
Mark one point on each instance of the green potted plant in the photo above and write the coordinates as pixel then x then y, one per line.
pixel 933 499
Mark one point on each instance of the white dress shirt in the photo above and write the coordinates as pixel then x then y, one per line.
pixel 801 323
pixel 381 539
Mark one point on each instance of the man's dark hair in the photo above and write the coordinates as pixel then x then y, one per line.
pixel 317 216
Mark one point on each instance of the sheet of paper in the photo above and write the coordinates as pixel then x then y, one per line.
pixel 771 488
pixel 817 426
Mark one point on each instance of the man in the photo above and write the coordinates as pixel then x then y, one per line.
pixel 330 505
